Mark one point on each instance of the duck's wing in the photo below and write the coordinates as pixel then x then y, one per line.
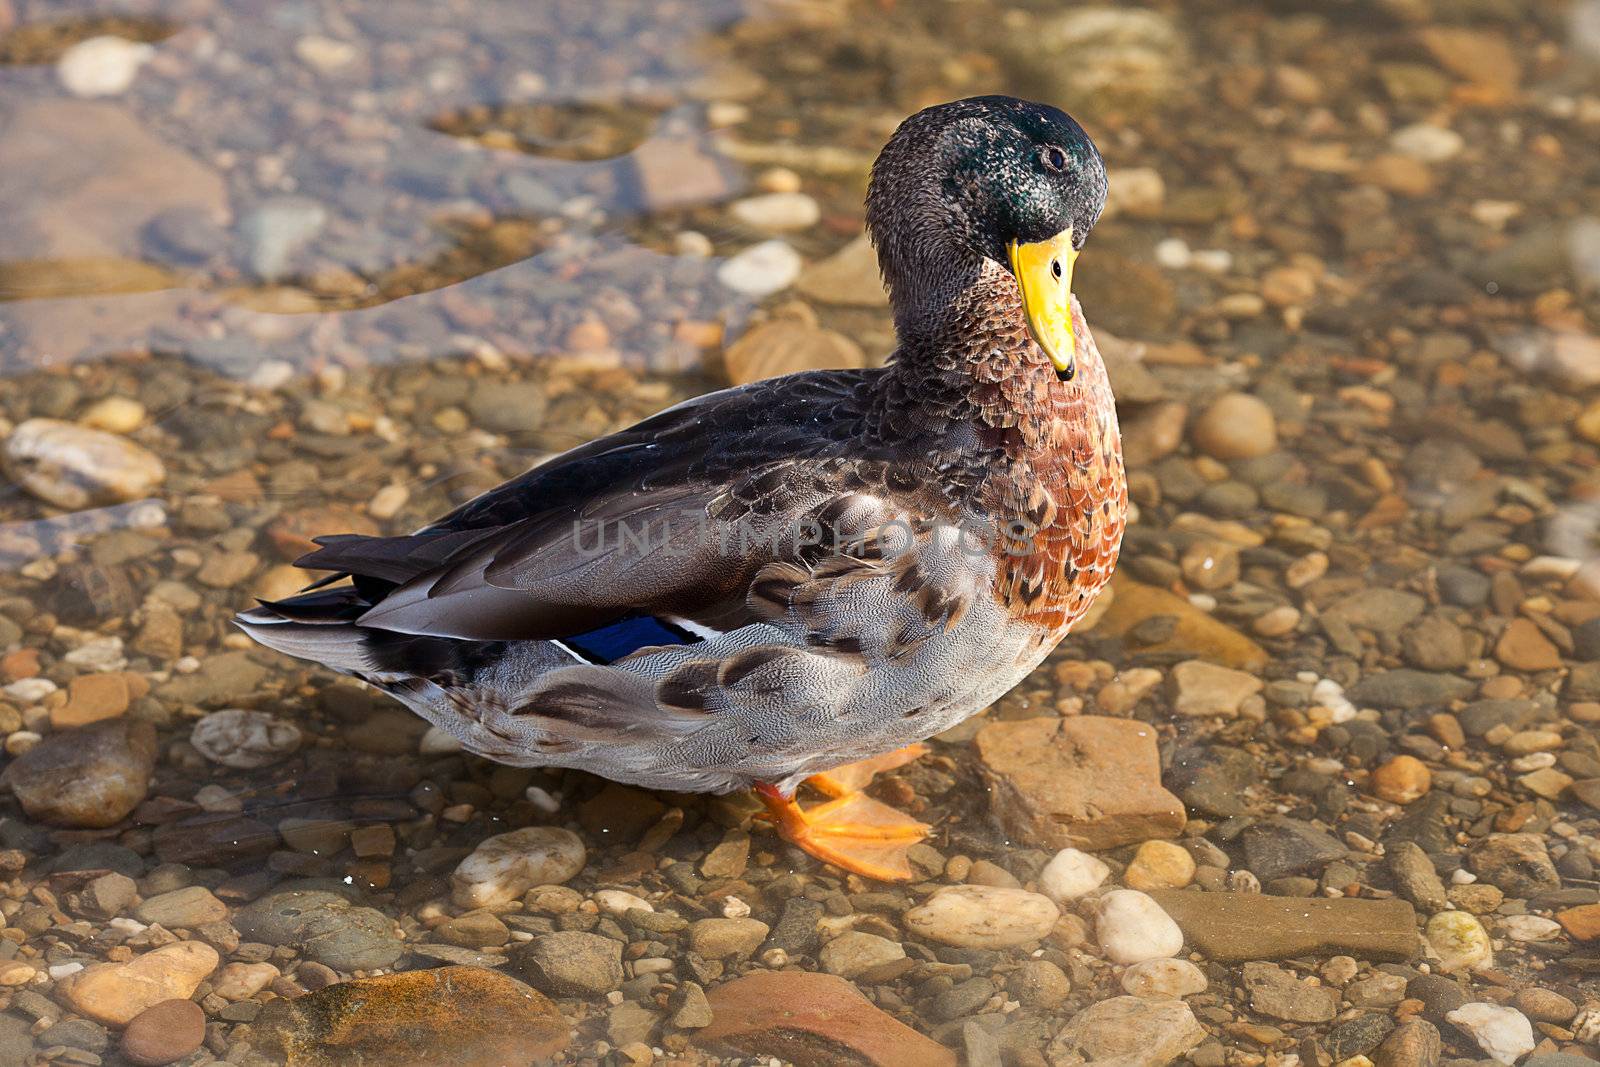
pixel 672 518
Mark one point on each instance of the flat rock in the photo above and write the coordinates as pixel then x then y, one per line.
pixel 505 866
pixel 413 1019
pixel 982 916
pixel 1406 689
pixel 848 278
pixel 1229 927
pixel 325 927
pixel 1129 1031
pixel 90 777
pixel 114 993
pixel 785 346
pixel 1277 993
pixel 1194 633
pixel 1279 847
pixel 572 963
pixel 812 1020
pixel 1085 782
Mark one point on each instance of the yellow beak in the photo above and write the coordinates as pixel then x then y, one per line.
pixel 1044 273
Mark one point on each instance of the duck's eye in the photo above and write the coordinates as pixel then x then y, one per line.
pixel 1053 158
pixel 1055 268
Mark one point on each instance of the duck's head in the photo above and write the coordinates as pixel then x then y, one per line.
pixel 990 178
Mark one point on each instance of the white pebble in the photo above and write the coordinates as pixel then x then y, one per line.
pixel 1530 928
pixel 1173 253
pixel 1071 874
pixel 1132 928
pixel 1212 260
pixel 437 742
pixel 101 66
pixel 1427 142
pixel 62 970
pixel 236 737
pixel 761 270
pixel 1164 978
pixel 617 902
pixel 1503 1033
pixel 506 866
pixel 545 801
pixel 734 908
pixel 777 212
pixel 1460 942
pixel 982 916
pixel 30 690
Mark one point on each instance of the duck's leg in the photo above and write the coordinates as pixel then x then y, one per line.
pixel 854 777
pixel 852 831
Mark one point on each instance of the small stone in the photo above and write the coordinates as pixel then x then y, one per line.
pixel 1235 426
pixel 856 952
pixel 1524 647
pixel 571 963
pixel 761 269
pixel 1379 991
pixel 1544 1005
pixel 475 929
pixel 1503 1033
pixel 1530 928
pixel 90 777
pixel 164 1033
pixel 1418 880
pixel 1401 780
pixel 1071 874
pixel 1039 984
pixel 779 1014
pixel 1582 922
pixel 504 867
pixel 785 346
pixel 1082 782
pixel 324 54
pixel 1414 1043
pixel 1460 942
pixel 1131 927
pixel 109 894
pixel 1229 927
pixel 719 938
pixel 979 916
pixel 1160 865
pixel 465 1015
pixel 1277 993
pixel 74 467
pixel 238 981
pixel 91 698
pixel 1427 143
pixel 1129 1032
pixel 1201 688
pixel 1164 978
pixel 848 278
pixel 1516 863
pixel 777 212
pixel 324 927
pixel 244 739
pixel 114 993
pixel 276 229
pixel 101 66
pixel 182 909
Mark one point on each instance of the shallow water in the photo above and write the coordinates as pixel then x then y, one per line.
pixel 320 268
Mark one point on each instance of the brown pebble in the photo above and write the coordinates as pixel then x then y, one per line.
pixel 164 1033
pixel 1401 780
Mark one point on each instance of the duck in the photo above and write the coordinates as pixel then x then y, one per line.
pixel 800 579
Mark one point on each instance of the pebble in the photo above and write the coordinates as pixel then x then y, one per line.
pixel 855 952
pixel 1160 865
pixel 238 981
pixel 1235 426
pixel 102 66
pixel 324 927
pixel 90 777
pixel 1503 1032
pixel 1278 993
pixel 1460 942
pixel 1203 689
pixel 1131 927
pixel 978 916
pixel 1401 780
pixel 1071 874
pixel 244 739
pixel 777 212
pixel 505 866
pixel 275 230
pixel 1128 1031
pixel 164 1033
pixel 720 938
pixel 75 467
pixel 184 908
pixel 1527 928
pixel 1163 978
pixel 761 269
pixel 114 993
pixel 571 963
pixel 1428 143
pixel 114 414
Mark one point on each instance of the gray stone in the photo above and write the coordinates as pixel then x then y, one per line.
pixel 1212 779
pixel 571 963
pixel 1277 993
pixel 1379 610
pixel 1518 864
pixel 1358 1036
pixel 1405 689
pixel 1131 1031
pixel 1281 846
pixel 325 927
pixel 1439 995
pixel 1415 875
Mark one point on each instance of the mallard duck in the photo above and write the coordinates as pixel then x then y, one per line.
pixel 801 577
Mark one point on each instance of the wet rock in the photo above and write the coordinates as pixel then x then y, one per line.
pixel 1406 689
pixel 1401 780
pixel 164 1033
pixel 182 908
pixel 1278 847
pixel 1129 1031
pixel 855 952
pixel 1201 688
pixel 1193 634
pixel 1213 780
pixel 777 212
pixel 1382 611
pixel 1163 978
pixel 1414 1043
pixel 1516 863
pixel 571 963
pixel 1071 874
pixel 1357 1037
pixel 1524 647
pixel 94 697
pixel 812 1020
pixel 213 839
pixel 445 1015
pixel 244 739
pixel 1460 942
pixel 1504 1033
pixel 1084 782
pixel 1127 57
pixel 1415 874
pixel 75 467
pixel 848 278
pixel 720 938
pixel 1279 994
pixel 1235 426
pixel 114 993
pixel 1039 984
pixel 101 66
pixel 89 777
pixel 508 407
pixel 981 916
pixel 325 927
pixel 786 346
pixel 1544 1005
pixel 1132 928
pixel 221 679
pixel 239 981
pixel 1250 926
pixel 1379 991
pixel 505 866
pixel 761 269
pixel 275 230
pixel 1160 865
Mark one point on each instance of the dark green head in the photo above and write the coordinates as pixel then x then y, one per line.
pixel 973 177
